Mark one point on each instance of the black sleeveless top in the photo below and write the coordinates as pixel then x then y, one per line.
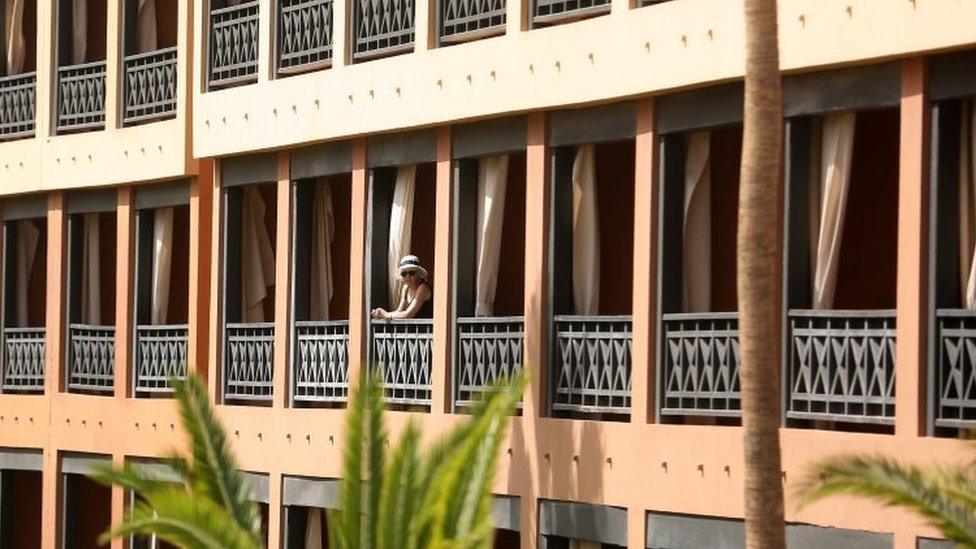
pixel 427 309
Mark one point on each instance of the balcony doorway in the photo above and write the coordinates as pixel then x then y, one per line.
pixel 25 304
pixel 20 509
pixel 87 512
pixel 150 62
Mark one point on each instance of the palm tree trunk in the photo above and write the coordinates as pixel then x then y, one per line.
pixel 758 278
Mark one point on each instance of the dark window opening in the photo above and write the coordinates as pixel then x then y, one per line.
pixel 88 512
pixel 20 509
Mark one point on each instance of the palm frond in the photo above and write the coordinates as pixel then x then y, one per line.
pixel 376 441
pixel 127 477
pixel 350 520
pixel 398 492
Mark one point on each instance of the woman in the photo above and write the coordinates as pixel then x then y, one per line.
pixel 415 293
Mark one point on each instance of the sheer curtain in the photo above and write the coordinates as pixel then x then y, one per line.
pixel 147 26
pixel 91 273
pixel 323 233
pixel 586 234
pixel 13 17
pixel 313 529
pixel 697 227
pixel 492 181
pixel 401 225
pixel 79 31
pixel 28 236
pixel 828 201
pixel 162 265
pixel 967 205
pixel 257 257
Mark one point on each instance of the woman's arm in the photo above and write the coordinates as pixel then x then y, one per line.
pixel 421 297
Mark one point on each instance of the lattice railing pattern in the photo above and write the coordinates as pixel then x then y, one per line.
pixel 545 12
pixel 592 364
pixel 321 362
pixel 383 27
pixel 701 365
pixel 234 44
pixel 23 360
pixel 17 105
pixel 91 358
pixel 161 354
pixel 248 361
pixel 400 350
pixel 461 19
pixel 304 34
pixel 842 366
pixel 150 85
pixel 488 350
pixel 955 383
pixel 81 97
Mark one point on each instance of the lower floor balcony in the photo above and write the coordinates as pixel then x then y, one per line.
pixel 401 353
pixel 591 364
pixel 91 359
pixel 321 363
pixel 161 356
pixel 23 360
pixel 248 362
pixel 489 350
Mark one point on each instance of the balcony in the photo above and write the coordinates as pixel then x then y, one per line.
pixel 150 86
pixel 321 362
pixel 248 361
pixel 161 355
pixel 400 350
pixel 955 374
pixel 592 364
pixel 463 20
pixel 91 359
pixel 548 12
pixel 382 28
pixel 304 35
pixel 23 360
pixel 701 365
pixel 17 105
pixel 81 97
pixel 842 366
pixel 234 45
pixel 489 349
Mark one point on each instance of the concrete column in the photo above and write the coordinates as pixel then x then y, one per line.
pixel 910 365
pixel 636 529
pixel 44 109
pixel 516 16
pixel 536 263
pixel 275 528
pixel 443 330
pixel 118 504
pixel 114 53
pixel 425 25
pixel 341 36
pixel 55 307
pixel 266 46
pixel 358 325
pixel 216 274
pixel 644 349
pixel 124 217
pixel 201 248
pixel 50 500
pixel 282 308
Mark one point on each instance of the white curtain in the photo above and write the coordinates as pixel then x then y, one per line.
pixel 323 233
pixel 828 201
pixel 91 273
pixel 257 257
pixel 401 225
pixel 28 236
pixel 967 205
pixel 313 529
pixel 13 17
pixel 79 31
pixel 147 26
pixel 162 263
pixel 697 228
pixel 586 234
pixel 492 180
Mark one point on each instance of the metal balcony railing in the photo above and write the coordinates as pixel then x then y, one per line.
pixel 382 27
pixel 23 360
pixel 17 94
pixel 591 369
pixel 91 358
pixel 701 365
pixel 400 350
pixel 161 355
pixel 547 12
pixel 489 349
pixel 321 363
pixel 248 361
pixel 955 376
pixel 150 86
pixel 81 97
pixel 304 35
pixel 471 19
pixel 234 44
pixel 842 366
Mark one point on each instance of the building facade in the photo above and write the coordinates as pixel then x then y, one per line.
pixel 223 188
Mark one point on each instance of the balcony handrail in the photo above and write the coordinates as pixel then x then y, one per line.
pixel 19 76
pixel 23 372
pixel 721 315
pixel 27 330
pixel 591 318
pixel 92 327
pixel 162 327
pixel 248 377
pixel 293 58
pixel 99 377
pixel 148 54
pixel 320 362
pixel 85 108
pixel 489 319
pixel 401 321
pixel 77 67
pixel 314 323
pixel 232 325
pixel 955 313
pixel 239 7
pixel 844 313
pixel 567 16
pixel 592 367
pixel 154 378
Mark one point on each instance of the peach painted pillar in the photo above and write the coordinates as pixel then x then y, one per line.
pixel 118 504
pixel 534 356
pixel 357 260
pixel 643 350
pixel 123 292
pixel 201 245
pixel 282 318
pixel 440 378
pixel 50 499
pixel 274 509
pixel 216 274
pixel 55 307
pixel 910 363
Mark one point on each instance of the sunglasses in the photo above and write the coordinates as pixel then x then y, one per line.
pixel 405 274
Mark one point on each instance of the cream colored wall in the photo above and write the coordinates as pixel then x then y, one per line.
pixel 630 52
pixel 115 155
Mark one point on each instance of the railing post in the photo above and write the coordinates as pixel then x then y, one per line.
pixel 123 293
pixel 644 349
pixel 441 363
pixel 283 263
pixel 55 307
pixel 913 214
pixel 199 327
pixel 358 324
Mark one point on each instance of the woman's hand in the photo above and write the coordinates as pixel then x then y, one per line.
pixel 378 313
